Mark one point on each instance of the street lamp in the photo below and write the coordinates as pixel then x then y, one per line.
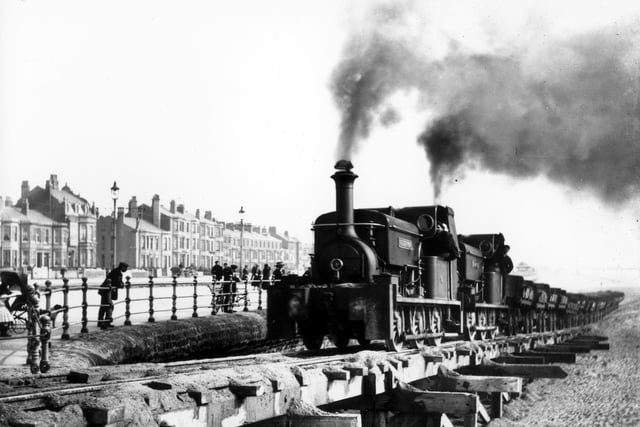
pixel 114 195
pixel 241 212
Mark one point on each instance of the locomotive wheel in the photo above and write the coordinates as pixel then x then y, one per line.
pixel 435 326
pixel 396 342
pixel 417 327
pixel 312 341
pixel 481 320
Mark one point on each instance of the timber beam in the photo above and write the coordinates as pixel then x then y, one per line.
pixel 447 380
pixel 519 360
pixel 551 356
pixel 573 348
pixel 524 371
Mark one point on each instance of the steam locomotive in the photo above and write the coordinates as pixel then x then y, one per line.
pixel 405 276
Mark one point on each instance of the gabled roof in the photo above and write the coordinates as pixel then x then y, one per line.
pixel 144 225
pixel 186 216
pixel 10 213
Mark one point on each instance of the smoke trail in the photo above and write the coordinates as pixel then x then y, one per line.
pixel 376 63
pixel 567 109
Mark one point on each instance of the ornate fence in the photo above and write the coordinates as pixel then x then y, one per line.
pixel 195 296
pixel 214 295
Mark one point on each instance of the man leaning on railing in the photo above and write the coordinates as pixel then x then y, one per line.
pixel 108 293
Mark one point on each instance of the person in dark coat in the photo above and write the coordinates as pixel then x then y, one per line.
pixel 266 272
pixel 245 273
pixel 108 294
pixel 229 288
pixel 279 271
pixel 216 271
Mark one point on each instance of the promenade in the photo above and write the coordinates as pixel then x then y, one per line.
pixel 13 352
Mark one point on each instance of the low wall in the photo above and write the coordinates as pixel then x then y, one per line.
pixel 203 337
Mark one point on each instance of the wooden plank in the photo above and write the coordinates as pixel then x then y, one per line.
pixel 483 413
pixel 407 398
pixel 552 357
pixel 246 389
pixel 103 415
pixel 334 374
pixel 496 405
pixel 517 360
pixel 452 381
pixel 573 348
pixel 525 371
pixel 592 337
pixel 84 377
pixel 356 370
pixel 331 420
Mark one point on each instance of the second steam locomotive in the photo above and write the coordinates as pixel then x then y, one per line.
pixel 405 276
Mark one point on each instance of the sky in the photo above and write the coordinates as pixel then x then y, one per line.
pixel 222 104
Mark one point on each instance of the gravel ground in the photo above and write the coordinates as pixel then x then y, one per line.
pixel 603 387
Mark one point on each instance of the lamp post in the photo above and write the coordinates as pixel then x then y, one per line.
pixel 114 195
pixel 241 212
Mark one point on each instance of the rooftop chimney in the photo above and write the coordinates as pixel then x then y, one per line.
pixel 8 201
pixel 207 215
pixel 25 206
pixel 198 213
pixel 133 207
pixel 53 182
pixel 172 207
pixel 155 208
pixel 344 179
pixel 181 209
pixel 24 193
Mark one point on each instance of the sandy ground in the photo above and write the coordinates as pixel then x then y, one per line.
pixel 603 387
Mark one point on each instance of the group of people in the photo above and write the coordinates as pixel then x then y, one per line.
pixel 226 272
pixel 230 276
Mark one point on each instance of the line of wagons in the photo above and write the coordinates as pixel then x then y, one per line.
pixel 405 276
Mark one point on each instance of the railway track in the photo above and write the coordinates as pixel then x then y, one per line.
pixel 32 394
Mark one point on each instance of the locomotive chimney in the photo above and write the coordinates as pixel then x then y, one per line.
pixel 344 197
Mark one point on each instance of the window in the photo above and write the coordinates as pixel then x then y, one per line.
pixel 38 235
pixel 83 232
pixel 46 235
pixel 187 227
pixel 14 233
pixel 25 234
pixel 57 236
pixel 25 257
pixel 103 242
pixel 141 242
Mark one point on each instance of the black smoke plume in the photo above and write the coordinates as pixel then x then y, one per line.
pixel 567 109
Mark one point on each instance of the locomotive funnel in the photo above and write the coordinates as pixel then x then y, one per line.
pixel 344 179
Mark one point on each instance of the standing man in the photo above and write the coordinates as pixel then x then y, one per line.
pixel 216 271
pixel 279 271
pixel 266 272
pixel 109 293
